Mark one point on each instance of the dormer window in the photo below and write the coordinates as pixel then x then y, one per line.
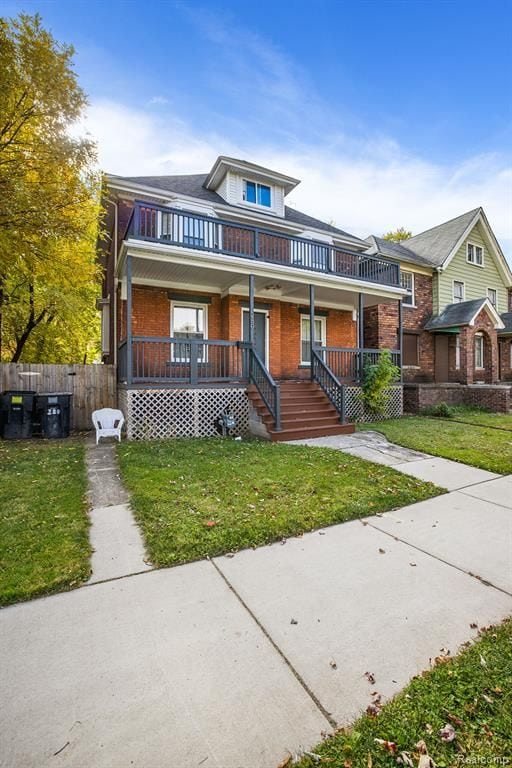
pixel 258 194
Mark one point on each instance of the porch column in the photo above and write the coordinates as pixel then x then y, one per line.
pixel 400 334
pixel 360 336
pixel 311 326
pixel 251 310
pixel 129 349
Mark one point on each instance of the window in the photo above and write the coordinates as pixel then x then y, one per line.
pixel 510 353
pixel 458 292
pixel 492 295
pixel 479 351
pixel 475 254
pixel 188 321
pixel 259 194
pixel 410 349
pixel 305 337
pixel 407 282
pixel 457 352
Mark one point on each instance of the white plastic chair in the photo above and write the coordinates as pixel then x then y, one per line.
pixel 108 422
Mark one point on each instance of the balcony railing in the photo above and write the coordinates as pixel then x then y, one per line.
pixel 204 233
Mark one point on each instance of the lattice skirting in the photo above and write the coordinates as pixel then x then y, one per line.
pixel 355 410
pixel 152 414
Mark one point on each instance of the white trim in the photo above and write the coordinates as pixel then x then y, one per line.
pixel 258 206
pixel 323 339
pixel 196 304
pixel 208 259
pixel 497 297
pixel 412 304
pixel 457 352
pixel 486 304
pixel 475 246
pixel 480 337
pixel 456 299
pixel 265 312
pixel 501 261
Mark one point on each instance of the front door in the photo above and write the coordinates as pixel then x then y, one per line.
pixel 260 332
pixel 442 367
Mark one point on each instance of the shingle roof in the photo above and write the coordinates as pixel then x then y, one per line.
pixel 436 244
pixel 192 185
pixel 394 250
pixel 507 320
pixel 454 315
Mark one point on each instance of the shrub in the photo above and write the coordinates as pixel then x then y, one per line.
pixel 377 378
pixel 441 411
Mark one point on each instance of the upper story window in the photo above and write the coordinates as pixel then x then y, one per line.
pixel 259 194
pixel 458 292
pixel 407 282
pixel 492 295
pixel 475 254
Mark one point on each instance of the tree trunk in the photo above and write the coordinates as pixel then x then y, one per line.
pixel 31 323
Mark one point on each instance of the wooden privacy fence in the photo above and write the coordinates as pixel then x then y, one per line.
pixel 92 386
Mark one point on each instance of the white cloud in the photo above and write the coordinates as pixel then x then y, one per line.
pixel 366 186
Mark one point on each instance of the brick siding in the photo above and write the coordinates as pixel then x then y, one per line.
pixel 417 397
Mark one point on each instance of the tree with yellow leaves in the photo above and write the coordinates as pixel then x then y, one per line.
pixel 48 202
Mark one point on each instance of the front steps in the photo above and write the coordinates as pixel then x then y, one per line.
pixel 305 412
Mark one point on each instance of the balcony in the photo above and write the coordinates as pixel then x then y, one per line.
pixel 203 233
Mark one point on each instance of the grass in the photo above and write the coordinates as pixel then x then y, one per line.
pixel 482 447
pixel 483 418
pixel 199 498
pixel 44 542
pixel 472 692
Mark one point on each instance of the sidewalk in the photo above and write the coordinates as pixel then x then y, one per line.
pixel 202 665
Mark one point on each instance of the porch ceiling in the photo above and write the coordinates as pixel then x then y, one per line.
pixel 170 274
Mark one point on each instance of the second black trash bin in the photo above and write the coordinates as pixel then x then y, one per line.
pixel 16 412
pixel 53 413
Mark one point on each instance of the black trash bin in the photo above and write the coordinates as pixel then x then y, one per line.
pixel 53 413
pixel 16 414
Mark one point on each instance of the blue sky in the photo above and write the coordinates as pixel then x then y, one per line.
pixel 392 113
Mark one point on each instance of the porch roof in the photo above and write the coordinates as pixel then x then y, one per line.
pixel 157 265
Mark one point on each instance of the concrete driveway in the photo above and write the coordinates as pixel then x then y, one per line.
pixel 235 662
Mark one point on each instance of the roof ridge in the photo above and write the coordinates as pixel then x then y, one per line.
pixel 448 221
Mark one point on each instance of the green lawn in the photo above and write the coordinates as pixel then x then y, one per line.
pixel 44 540
pixel 479 446
pixel 471 692
pixel 483 418
pixel 199 498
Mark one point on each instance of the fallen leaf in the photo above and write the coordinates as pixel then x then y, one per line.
pixel 372 710
pixel 382 551
pixel 483 661
pixel 447 733
pixel 389 746
pixel 426 762
pixel 333 664
pixel 413 565
pixel 421 747
pixel 370 677
pixel 473 625
pixel 285 762
pixel 293 621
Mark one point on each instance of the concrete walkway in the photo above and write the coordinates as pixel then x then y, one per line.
pixel 234 662
pixel 373 446
pixel 118 548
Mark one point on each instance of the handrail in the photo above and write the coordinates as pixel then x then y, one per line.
pixel 181 228
pixel 269 391
pixel 334 389
pixel 348 363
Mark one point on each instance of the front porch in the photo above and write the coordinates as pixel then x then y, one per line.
pixel 189 330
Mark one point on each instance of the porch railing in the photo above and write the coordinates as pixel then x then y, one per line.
pixel 348 363
pixel 269 391
pixel 332 387
pixel 204 233
pixel 181 360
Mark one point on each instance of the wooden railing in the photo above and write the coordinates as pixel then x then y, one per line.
pixel 332 387
pixel 204 233
pixel 348 363
pixel 179 360
pixel 269 391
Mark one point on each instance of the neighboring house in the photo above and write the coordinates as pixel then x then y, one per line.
pixel 215 291
pixel 456 322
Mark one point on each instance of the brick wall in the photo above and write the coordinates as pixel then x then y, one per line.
pixel 505 346
pixel 417 397
pixel 151 317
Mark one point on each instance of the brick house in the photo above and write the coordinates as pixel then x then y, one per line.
pixel 216 293
pixel 457 329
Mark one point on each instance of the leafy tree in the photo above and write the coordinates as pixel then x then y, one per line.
pixel 48 194
pixel 397 235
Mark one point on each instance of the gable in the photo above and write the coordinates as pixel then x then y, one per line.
pixel 477 279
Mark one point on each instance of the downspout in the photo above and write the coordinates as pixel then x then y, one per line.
pixel 114 303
